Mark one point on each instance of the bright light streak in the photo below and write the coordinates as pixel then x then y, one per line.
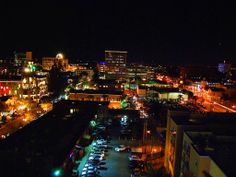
pixel 225 107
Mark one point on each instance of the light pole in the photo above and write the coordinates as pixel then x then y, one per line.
pixel 144 134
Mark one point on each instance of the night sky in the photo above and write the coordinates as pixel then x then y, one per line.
pixel 165 32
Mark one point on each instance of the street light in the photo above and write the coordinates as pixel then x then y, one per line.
pixel 27 70
pixel 57 172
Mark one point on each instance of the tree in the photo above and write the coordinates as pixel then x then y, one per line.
pixel 95 77
pixel 224 97
pixel 124 104
pixel 3 106
pixel 83 76
pixel 180 97
pixel 56 81
pixel 138 80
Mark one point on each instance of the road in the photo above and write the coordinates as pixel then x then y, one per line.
pixel 13 125
pixel 216 107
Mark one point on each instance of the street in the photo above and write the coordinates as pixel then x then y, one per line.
pixel 216 107
pixel 13 125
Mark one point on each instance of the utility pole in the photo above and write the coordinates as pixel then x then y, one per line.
pixel 144 134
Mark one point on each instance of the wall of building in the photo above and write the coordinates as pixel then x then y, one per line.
pixel 141 92
pixel 172 96
pixel 9 87
pixel 170 127
pixel 94 97
pixel 198 164
pixel 215 170
pixel 48 62
pixel 116 63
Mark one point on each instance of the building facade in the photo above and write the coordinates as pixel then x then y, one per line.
pixel 59 60
pixel 116 63
pixel 179 122
pixel 201 152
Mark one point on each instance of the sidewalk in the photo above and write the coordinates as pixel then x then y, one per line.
pixel 84 159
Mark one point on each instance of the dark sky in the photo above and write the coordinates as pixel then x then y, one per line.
pixel 159 31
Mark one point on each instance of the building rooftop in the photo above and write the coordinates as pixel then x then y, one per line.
pixel 175 106
pixel 112 92
pixel 165 90
pixel 106 81
pixel 219 146
pixel 210 118
pixel 116 51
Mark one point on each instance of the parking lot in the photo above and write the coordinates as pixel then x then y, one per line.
pixel 117 164
pixel 101 159
pixel 114 163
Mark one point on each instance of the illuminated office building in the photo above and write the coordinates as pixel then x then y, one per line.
pixel 116 63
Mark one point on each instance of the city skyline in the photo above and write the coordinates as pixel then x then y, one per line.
pixel 168 33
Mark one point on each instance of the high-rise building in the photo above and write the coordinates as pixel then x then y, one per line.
pixel 34 84
pixel 102 69
pixel 21 60
pixel 116 63
pixel 29 55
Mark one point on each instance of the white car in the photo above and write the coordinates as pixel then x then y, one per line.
pixel 97 154
pixel 101 141
pixel 97 157
pixel 89 168
pixel 121 148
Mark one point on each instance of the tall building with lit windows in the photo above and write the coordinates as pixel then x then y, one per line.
pixel 116 63
pixel 21 60
pixel 34 83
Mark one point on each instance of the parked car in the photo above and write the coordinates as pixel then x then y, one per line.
pixel 122 148
pixel 74 172
pixel 136 164
pixel 102 154
pixel 134 157
pixel 96 157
